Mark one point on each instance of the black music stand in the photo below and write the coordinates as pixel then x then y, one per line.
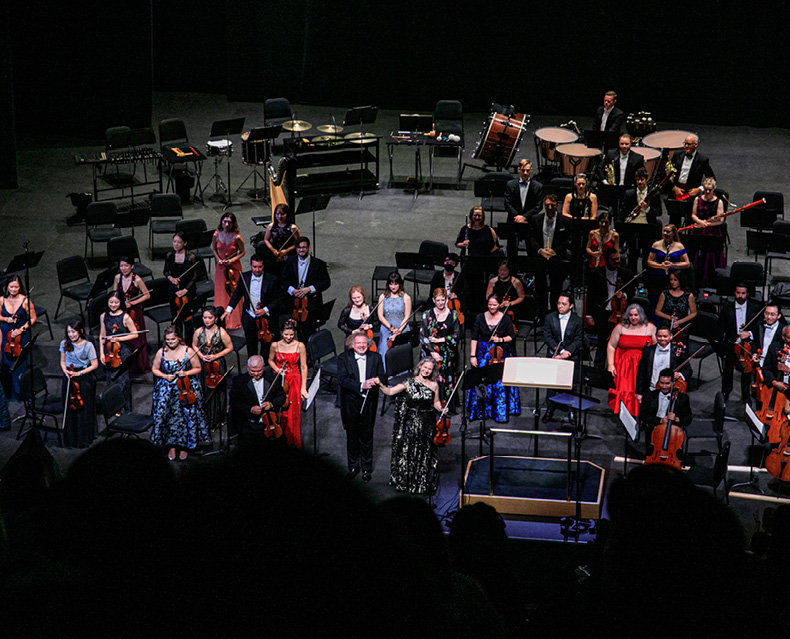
pixel 757 431
pixel 258 134
pixel 102 282
pixel 679 211
pixel 477 379
pixel 224 129
pixel 356 117
pixel 609 193
pixel 580 231
pixel 637 237
pixel 408 337
pixel 513 232
pixel 311 204
pixel 492 189
pixel 23 262
pixel 601 139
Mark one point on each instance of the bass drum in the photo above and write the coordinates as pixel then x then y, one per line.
pixel 500 139
pixel 252 152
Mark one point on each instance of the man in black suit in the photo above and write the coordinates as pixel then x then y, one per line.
pixel 602 282
pixel 550 239
pixel 247 404
pixel 692 168
pixel 261 294
pixel 563 333
pixel 656 358
pixel 609 117
pixel 776 374
pixel 767 335
pixel 523 199
pixel 733 317
pixel 359 372
pixel 623 161
pixel 305 277
pixel 656 403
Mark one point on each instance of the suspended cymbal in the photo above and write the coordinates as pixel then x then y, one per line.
pixel 362 140
pixel 330 128
pixel 297 125
pixel 325 139
pixel 359 136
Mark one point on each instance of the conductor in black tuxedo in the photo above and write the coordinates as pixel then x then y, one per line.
pixel 733 317
pixel 656 404
pixel 260 294
pixel 563 333
pixel 657 357
pixel 549 238
pixel 247 404
pixel 609 117
pixel 692 168
pixel 359 371
pixel 624 162
pixel 305 277
pixel 523 199
pixel 602 283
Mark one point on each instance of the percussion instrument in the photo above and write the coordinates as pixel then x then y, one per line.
pixel 670 141
pixel 500 139
pixel 359 136
pixel 326 139
pixel 296 125
pixel 254 151
pixel 219 148
pixel 651 158
pixel 576 158
pixel 547 139
pixel 329 128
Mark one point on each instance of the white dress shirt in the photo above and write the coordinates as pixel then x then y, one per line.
pixel 549 224
pixel 361 365
pixel 259 390
pixel 686 167
pixel 523 188
pixel 663 404
pixel 604 118
pixel 301 268
pixel 740 319
pixel 768 337
pixel 623 164
pixel 660 362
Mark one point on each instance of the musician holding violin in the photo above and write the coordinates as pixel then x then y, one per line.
pixel 288 357
pixel 212 343
pixel 734 319
pixel 17 316
pixel 452 282
pixel 259 294
pixel 78 361
pixel 181 275
pixel 394 309
pixel 664 407
pixel 256 399
pixel 414 461
pixel 228 249
pixel 657 357
pixel 135 294
pixel 117 332
pixel 508 288
pixel 305 278
pixel 440 333
pixel 278 241
pixel 356 316
pixel 492 336
pixel 179 419
pixel 776 375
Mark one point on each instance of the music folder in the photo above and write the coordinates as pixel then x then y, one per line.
pixel 538 372
pixel 628 422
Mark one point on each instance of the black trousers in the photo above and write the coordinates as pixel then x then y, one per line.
pixel 359 431
pixel 254 345
pixel 728 367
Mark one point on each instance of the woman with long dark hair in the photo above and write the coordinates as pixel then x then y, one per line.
pixel 78 361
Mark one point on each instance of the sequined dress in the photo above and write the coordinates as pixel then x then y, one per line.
pixel 414 460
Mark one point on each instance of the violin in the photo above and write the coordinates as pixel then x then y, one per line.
pixel 113 351
pixel 300 309
pixel 185 393
pixel 506 300
pixel 13 345
pixel 757 381
pixel 776 463
pixel 212 373
pixel 667 439
pixel 264 334
pixel 271 419
pixel 619 304
pixel 772 411
pixel 743 350
pixel 231 275
pixel 454 304
pixel 75 399
pixel 442 435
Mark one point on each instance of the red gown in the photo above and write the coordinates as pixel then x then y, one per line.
pixel 626 362
pixel 221 296
pixel 291 419
pixel 142 363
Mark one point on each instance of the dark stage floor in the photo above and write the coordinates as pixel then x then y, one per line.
pixel 354 235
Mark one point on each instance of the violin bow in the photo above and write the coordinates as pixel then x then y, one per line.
pixel 626 285
pixel 452 393
pixel 66 403
pixel 187 271
pixel 214 390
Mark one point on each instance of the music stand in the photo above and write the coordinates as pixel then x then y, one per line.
pixel 24 261
pixel 126 364
pixel 313 203
pixel 483 376
pixel 679 211
pixel 630 429
pixel 636 237
pixel 407 337
pixel 513 232
pixel 612 193
pixel 580 229
pixel 355 117
pixel 27 350
pixel 601 139
pixel 258 134
pixel 757 431
pixel 102 282
pixel 224 129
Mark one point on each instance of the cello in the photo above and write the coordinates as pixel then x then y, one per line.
pixel 774 401
pixel 667 438
pixel 777 461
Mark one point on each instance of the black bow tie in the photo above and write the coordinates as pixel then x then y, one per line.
pixel 689 155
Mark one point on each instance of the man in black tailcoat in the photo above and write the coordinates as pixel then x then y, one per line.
pixel 523 199
pixel 305 277
pixel 656 404
pixel 657 357
pixel 733 317
pixel 609 117
pixel 602 282
pixel 692 168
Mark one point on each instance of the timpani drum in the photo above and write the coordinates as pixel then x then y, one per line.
pixel 576 158
pixel 500 139
pixel 219 147
pixel 252 151
pixel 651 158
pixel 547 139
pixel 670 141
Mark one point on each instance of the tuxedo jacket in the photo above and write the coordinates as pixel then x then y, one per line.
pixel 758 331
pixel 574 334
pixel 649 409
pixel 728 328
pixel 561 242
pixel 644 372
pixel 598 290
pixel 700 169
pixel 271 294
pixel 243 397
pixel 351 398
pixel 635 161
pixel 614 122
pixel 532 204
pixel 771 371
pixel 317 276
pixel 654 209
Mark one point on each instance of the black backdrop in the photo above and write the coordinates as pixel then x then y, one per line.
pixel 81 67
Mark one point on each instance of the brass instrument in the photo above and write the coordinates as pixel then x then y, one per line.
pixel 610 178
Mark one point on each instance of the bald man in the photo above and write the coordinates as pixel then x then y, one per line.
pixel 692 168
pixel 247 402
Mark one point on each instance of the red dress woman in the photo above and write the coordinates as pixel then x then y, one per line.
pixel 135 295
pixel 623 354
pixel 600 239
pixel 291 355
pixel 228 249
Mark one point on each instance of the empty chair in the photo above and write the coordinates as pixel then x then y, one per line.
pixel 713 477
pixel 778 246
pixel 322 353
pixel 118 419
pixel 100 219
pixel 172 132
pixel 205 286
pixel 42 312
pixel 157 309
pixel 399 365
pixel 707 428
pixel 166 212
pixel 69 270
pixel 752 273
pixel 276 111
pixel 192 229
pixel 435 252
pixel 704 327
pixel 96 306
pixel 126 246
pixel 40 401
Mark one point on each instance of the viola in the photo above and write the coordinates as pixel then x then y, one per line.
pixel 667 439
pixel 185 393
pixel 619 304
pixel 497 354
pixel 113 351
pixel 777 461
pixel 231 280
pixel 506 300
pixel 75 399
pixel 757 380
pixel 455 305
pixel 300 309
pixel 271 425
pixel 743 351
pixel 13 346
pixel 264 334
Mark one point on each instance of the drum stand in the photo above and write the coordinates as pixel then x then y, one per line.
pixel 217 179
pixel 267 134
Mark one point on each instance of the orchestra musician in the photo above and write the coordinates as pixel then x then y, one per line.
pixel 633 197
pixel 508 288
pixel 250 395
pixel 623 354
pixel 179 419
pixel 135 294
pixel 116 326
pixel 78 361
pixel 359 373
pixel 355 316
pixel 523 199
pixel 260 295
pixel 707 214
pixel 602 284
pixel 17 315
pixel 692 167
pixel 305 277
pixel 563 333
pixel 609 117
pixel 440 332
pixel 228 249
pixel 178 262
pixel 278 241
pixel 655 405
pixel 677 302
pixel 776 374
pixel 476 239
pixel 623 161
pixel 580 203
pixel 600 239
pixel 212 343
pixel 291 354
pixel 394 310
pixel 666 255
pixel 768 335
pixel 657 357
pixel 732 318
pixel 550 239
pixel 449 279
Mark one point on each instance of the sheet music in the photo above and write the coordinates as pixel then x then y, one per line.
pixel 313 390
pixel 628 422
pixel 754 423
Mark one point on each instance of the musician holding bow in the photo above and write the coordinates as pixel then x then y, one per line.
pixel 733 319
pixel 252 394
pixel 657 357
pixel 656 404
pixel 692 167
pixel 304 279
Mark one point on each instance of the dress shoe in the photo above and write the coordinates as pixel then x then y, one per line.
pixel 366 476
pixel 548 416
pixel 353 472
